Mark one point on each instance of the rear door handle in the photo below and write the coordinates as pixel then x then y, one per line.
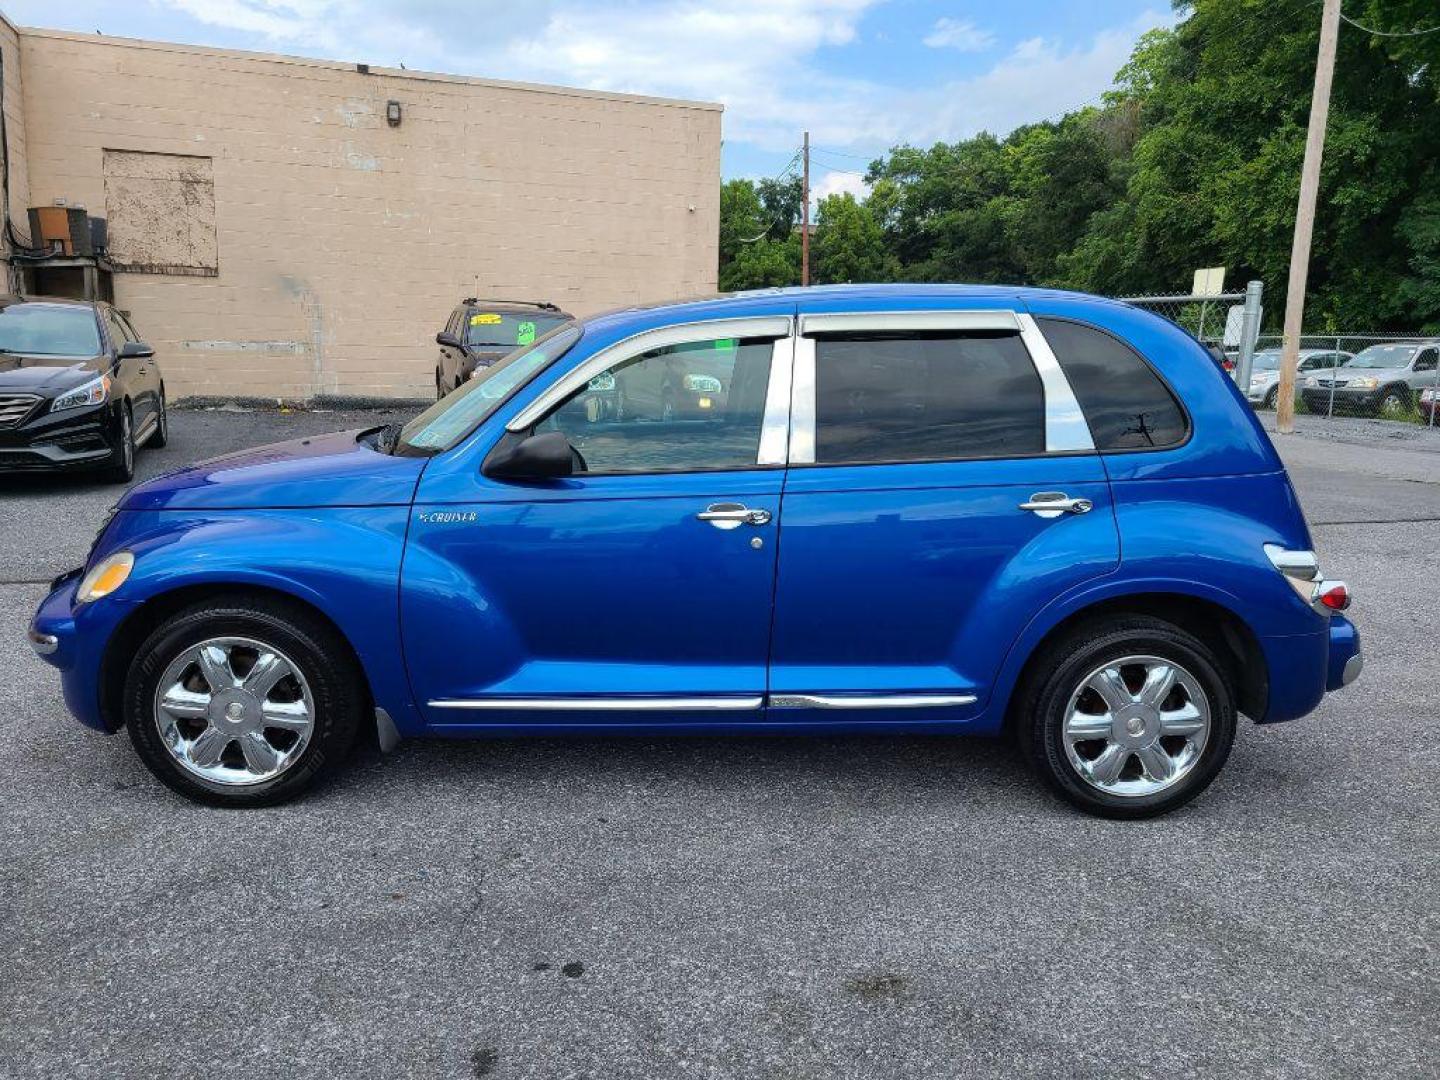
pixel 733 515
pixel 1051 504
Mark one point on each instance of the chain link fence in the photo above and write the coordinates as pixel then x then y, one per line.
pixel 1369 374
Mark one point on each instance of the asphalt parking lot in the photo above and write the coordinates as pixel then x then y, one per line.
pixel 777 908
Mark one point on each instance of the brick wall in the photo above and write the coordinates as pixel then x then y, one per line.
pixel 14 129
pixel 340 243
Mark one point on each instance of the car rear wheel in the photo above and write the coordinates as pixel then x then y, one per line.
pixel 1127 717
pixel 1272 398
pixel 244 702
pixel 121 468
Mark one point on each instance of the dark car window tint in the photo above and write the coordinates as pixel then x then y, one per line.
pixel 1125 403
pixel 118 334
pixel 926 397
pixel 1426 362
pixel 684 408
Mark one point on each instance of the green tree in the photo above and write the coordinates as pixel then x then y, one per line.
pixel 848 244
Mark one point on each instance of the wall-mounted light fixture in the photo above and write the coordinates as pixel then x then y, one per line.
pixel 392 113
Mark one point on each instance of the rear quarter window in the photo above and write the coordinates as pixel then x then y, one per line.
pixel 1126 404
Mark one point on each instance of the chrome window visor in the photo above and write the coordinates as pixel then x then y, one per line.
pixel 1065 427
pixel 908 321
pixel 761 326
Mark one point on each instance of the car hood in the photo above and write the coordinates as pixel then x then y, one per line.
pixel 46 373
pixel 322 470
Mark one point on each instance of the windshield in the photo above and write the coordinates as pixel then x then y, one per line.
pixel 456 415
pixel 49 330
pixel 1269 360
pixel 490 329
pixel 1383 356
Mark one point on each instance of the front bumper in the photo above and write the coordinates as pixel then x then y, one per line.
pixel 73 638
pixel 1317 400
pixel 75 438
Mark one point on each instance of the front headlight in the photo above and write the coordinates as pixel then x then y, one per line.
pixel 1367 382
pixel 702 384
pixel 1311 381
pixel 93 392
pixel 105 577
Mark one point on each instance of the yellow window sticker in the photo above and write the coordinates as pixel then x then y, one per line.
pixel 484 318
pixel 525 334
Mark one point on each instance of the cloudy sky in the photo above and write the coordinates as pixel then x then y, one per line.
pixel 861 75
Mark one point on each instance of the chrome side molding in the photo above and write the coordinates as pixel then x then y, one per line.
pixel 606 704
pixel 869 701
pixel 710 703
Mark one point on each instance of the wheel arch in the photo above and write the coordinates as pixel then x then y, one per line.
pixel 124 642
pixel 1227 635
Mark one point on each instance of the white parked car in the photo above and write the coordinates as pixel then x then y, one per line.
pixel 1264 385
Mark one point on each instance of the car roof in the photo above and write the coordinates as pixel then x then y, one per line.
pixel 809 298
pixel 512 305
pixel 8 300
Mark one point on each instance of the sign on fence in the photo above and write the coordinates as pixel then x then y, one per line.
pixel 1209 282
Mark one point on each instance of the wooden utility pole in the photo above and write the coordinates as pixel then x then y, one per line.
pixel 1305 217
pixel 805 219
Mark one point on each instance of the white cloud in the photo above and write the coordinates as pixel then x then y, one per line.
pixel 839 183
pixel 959 34
pixel 761 58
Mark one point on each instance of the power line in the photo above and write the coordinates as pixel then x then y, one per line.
pixel 1388 33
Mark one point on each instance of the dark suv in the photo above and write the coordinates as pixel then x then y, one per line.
pixel 79 389
pixel 482 331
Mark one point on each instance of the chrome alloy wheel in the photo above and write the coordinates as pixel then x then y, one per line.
pixel 234 711
pixel 1136 726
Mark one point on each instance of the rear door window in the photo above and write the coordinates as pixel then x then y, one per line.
pixel 926 397
pixel 1125 402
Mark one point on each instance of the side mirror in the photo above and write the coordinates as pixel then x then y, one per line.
pixel 450 341
pixel 136 350
pixel 531 457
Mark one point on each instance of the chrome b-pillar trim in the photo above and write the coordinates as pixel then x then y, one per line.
pixel 1066 429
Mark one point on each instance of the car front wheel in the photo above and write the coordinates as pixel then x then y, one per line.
pixel 1395 401
pixel 1129 717
pixel 121 468
pixel 243 702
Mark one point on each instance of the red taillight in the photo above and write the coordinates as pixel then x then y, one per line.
pixel 1335 595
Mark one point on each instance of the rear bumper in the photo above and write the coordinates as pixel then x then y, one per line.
pixel 1303 668
pixel 1346 657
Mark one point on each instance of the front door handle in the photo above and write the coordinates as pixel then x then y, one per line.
pixel 1051 504
pixel 732 515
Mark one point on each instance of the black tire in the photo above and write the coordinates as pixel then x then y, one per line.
pixel 439 386
pixel 1058 672
pixel 121 467
pixel 1272 399
pixel 320 653
pixel 1394 400
pixel 160 437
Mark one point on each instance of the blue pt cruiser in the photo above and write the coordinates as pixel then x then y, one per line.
pixel 903 509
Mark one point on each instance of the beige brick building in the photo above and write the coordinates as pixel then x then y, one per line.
pixel 276 235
